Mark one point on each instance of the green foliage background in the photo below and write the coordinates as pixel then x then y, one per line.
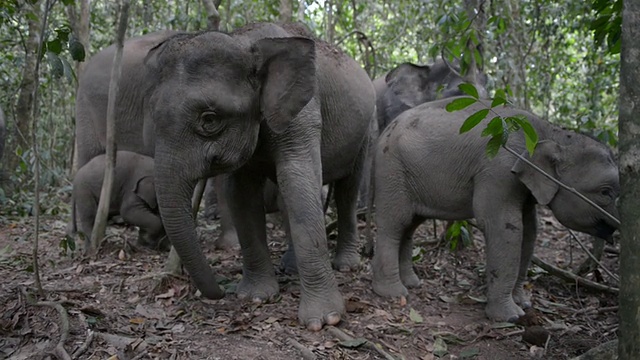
pixel 546 52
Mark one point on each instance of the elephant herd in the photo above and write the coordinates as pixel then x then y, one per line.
pixel 269 102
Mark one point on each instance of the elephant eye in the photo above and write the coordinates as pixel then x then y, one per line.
pixel 210 123
pixel 607 192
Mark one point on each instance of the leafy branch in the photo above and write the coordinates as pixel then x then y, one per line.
pixel 499 129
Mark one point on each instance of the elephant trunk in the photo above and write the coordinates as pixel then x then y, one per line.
pixel 174 199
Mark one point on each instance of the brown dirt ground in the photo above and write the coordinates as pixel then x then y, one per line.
pixel 132 314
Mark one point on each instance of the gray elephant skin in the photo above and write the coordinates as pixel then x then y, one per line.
pixel 263 101
pixel 3 134
pixel 409 85
pixel 425 169
pixel 133 196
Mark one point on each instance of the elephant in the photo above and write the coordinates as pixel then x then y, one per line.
pixel 3 133
pixel 425 169
pixel 133 196
pixel 265 101
pixel 409 85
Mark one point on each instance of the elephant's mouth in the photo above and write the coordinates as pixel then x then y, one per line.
pixel 604 231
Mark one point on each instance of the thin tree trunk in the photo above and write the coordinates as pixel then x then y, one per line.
pixel 105 194
pixel 629 122
pixel 24 107
pixel 213 16
pixel 329 26
pixel 80 26
pixel 302 5
pixel 286 11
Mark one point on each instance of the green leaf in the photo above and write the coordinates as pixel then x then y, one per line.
pixel 460 103
pixel 415 316
pixel 494 128
pixel 440 347
pixel 530 135
pixel 469 353
pixel 55 64
pixel 54 46
pixel 76 49
pixel 499 98
pixel 474 120
pixel 493 146
pixel 469 89
pixel 353 344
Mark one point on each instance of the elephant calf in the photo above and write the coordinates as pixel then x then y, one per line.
pixel 133 196
pixel 425 169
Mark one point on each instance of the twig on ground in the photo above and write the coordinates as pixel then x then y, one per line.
pixel 597 261
pixel 368 344
pixel 85 346
pixel 569 276
pixel 306 353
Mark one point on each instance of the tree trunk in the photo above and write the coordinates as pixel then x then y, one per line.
pixel 213 16
pixel 24 107
pixel 629 128
pixel 110 151
pixel 302 5
pixel 329 25
pixel 286 11
pixel 80 25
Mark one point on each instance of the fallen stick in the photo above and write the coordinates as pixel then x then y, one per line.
pixel 569 276
pixel 64 329
pixel 306 353
pixel 82 349
pixel 368 344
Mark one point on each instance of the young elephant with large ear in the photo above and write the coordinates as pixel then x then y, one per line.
pixel 133 196
pixel 261 102
pixel 501 193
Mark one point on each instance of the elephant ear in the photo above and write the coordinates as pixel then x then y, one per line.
pixel 409 82
pixel 547 156
pixel 145 190
pixel 286 70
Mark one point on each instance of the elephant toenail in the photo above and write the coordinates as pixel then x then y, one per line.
pixel 513 319
pixel 333 318
pixel 314 325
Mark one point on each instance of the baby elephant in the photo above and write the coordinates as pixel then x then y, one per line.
pixel 425 169
pixel 133 196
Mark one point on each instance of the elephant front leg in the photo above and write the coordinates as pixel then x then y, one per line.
pixel 530 228
pixel 152 233
pixel 503 236
pixel 243 192
pixel 300 183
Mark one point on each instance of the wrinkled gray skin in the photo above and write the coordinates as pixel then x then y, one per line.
pixel 409 85
pixel 500 193
pixel 3 133
pixel 217 207
pixel 280 108
pixel 133 196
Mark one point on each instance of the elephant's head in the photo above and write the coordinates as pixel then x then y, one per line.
pixel 584 165
pixel 208 95
pixel 417 84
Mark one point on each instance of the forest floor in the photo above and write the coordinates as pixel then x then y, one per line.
pixel 119 306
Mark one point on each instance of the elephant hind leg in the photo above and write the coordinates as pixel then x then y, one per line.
pixel 407 274
pixel 347 189
pixel 86 209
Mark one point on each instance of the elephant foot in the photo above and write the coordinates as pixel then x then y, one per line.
pixel 227 240
pixel 503 311
pixel 346 261
pixel 410 279
pixel 389 289
pixel 325 308
pixel 259 290
pixel 522 297
pixel 288 262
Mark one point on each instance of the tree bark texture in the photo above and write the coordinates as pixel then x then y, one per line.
pixel 286 11
pixel 629 129
pixel 24 107
pixel 110 151
pixel 213 16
